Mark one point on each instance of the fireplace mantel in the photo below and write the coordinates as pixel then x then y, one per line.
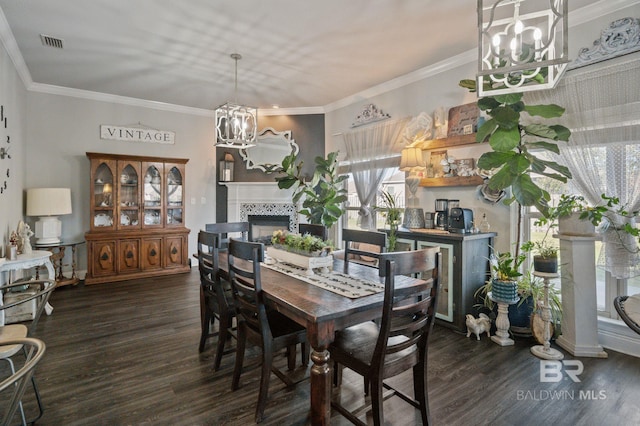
pixel 258 198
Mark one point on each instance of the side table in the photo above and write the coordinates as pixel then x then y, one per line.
pixel 27 261
pixel 502 322
pixel 58 252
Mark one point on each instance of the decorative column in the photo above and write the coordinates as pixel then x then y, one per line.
pixel 502 322
pixel 579 309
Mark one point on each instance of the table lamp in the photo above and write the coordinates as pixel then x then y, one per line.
pixel 412 162
pixel 48 204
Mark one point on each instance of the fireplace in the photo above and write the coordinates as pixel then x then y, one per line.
pixel 261 227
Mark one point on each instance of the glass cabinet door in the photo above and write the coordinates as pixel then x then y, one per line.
pixel 175 196
pixel 445 291
pixel 152 195
pixel 129 195
pixel 103 195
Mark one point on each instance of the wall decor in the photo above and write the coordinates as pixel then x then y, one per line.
pixel 137 134
pixel 465 167
pixel 437 160
pixel 621 37
pixel 463 119
pixel 5 156
pixel 370 114
pixel 270 149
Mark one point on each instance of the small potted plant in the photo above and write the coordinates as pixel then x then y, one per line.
pixel 505 273
pixel 392 214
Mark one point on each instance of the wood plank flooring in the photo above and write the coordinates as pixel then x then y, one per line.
pixel 127 354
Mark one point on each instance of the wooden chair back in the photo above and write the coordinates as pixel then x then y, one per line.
pixel 407 313
pixel 351 237
pixel 245 280
pixel 208 265
pixel 315 230
pixel 223 229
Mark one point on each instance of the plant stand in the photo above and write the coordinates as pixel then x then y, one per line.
pixel 502 322
pixel 545 351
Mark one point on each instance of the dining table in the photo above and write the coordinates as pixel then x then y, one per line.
pixel 322 312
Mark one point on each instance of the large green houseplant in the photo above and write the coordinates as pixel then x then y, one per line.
pixel 513 158
pixel 324 195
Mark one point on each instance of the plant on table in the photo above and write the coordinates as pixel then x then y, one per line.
pixel 304 244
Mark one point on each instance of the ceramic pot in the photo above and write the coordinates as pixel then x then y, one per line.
pixel 573 225
pixel 545 264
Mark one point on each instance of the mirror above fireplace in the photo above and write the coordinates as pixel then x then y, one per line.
pixel 271 148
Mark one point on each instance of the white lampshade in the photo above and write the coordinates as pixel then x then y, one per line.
pixel 48 203
pixel 411 160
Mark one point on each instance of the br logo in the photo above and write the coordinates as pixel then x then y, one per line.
pixel 554 371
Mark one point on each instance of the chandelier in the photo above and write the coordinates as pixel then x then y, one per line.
pixel 522 45
pixel 236 125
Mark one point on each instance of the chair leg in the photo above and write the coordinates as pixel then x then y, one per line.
pixel 420 391
pixel 207 321
pixel 376 401
pixel 304 353
pixel 13 371
pixel 223 333
pixel 291 357
pixel 237 369
pixel 267 360
pixel 337 374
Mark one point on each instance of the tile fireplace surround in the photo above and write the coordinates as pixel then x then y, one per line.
pixel 259 199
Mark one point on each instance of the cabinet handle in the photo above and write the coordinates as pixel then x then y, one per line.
pixel 129 254
pixel 104 256
pixel 153 252
pixel 174 250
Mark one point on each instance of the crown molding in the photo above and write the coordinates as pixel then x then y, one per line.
pixel 11 46
pixel 578 17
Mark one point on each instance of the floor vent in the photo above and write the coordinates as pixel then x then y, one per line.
pixel 51 41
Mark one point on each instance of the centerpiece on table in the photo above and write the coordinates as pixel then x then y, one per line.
pixel 306 251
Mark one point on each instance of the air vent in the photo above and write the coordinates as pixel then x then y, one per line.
pixel 51 41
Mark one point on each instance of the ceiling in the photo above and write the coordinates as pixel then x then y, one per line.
pixel 296 54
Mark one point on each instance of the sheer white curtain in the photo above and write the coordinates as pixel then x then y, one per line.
pixel 372 154
pixel 602 104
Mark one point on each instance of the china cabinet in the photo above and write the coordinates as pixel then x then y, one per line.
pixel 136 217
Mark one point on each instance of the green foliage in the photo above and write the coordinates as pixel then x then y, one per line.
pixel 324 195
pixel 391 213
pixel 513 157
pixel 302 243
pixel 505 267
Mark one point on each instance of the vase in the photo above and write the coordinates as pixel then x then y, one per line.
pixel 545 264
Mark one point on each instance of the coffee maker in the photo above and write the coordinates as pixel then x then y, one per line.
pixel 442 214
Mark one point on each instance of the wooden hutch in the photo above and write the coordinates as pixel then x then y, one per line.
pixel 137 213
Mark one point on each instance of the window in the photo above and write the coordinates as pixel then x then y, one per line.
pixel 395 185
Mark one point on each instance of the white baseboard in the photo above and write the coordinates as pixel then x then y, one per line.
pixel 615 335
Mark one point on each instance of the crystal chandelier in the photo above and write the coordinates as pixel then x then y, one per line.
pixel 236 125
pixel 522 45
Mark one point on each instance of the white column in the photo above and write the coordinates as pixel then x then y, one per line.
pixel 579 309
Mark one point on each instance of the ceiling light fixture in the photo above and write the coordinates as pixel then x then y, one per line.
pixel 236 125
pixel 521 50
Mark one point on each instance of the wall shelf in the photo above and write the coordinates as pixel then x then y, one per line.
pixel 452 181
pixel 450 142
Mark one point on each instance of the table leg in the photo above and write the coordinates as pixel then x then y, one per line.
pixel 320 386
pixel 52 274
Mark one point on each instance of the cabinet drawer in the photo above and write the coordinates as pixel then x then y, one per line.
pixel 128 255
pixel 103 258
pixel 174 251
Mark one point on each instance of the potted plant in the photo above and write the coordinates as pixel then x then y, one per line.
pixel 514 144
pixel 307 244
pixel 505 273
pixel 392 214
pixel 324 195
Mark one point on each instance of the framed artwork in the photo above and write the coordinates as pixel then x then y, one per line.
pixel 435 161
pixel 463 119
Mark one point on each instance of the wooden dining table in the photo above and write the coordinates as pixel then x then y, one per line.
pixel 323 313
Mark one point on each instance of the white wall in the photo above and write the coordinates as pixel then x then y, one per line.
pixel 61 129
pixel 13 98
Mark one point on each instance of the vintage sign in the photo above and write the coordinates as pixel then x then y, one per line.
pixel 136 134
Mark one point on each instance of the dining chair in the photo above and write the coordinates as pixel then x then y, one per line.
pixel 313 229
pixel 17 382
pixel 223 229
pixel 269 329
pixel 362 246
pixel 628 308
pixel 217 300
pixel 39 292
pixel 400 342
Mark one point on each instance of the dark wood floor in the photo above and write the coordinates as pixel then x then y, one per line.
pixel 127 353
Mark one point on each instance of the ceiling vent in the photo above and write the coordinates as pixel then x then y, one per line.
pixel 51 41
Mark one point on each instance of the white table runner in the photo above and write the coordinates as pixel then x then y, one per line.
pixel 334 281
